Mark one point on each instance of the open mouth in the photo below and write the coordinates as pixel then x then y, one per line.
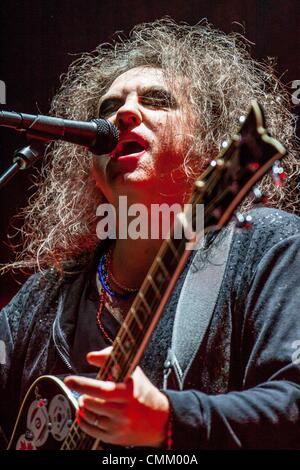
pixel 129 148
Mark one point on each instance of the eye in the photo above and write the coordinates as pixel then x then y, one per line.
pixel 109 107
pixel 158 99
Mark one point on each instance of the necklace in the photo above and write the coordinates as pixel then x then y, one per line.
pixel 103 299
pixel 104 272
pixel 107 292
pixel 121 286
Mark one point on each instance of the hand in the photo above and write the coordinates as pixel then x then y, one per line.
pixel 130 413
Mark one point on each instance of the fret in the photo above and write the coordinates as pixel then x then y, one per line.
pixel 76 439
pixel 126 343
pixel 121 345
pixel 112 370
pixel 154 286
pixel 171 244
pixel 74 435
pixel 76 430
pixel 114 358
pixel 115 371
pixel 179 245
pixel 150 296
pixel 159 278
pixel 126 327
pixel 72 442
pixel 168 256
pixel 137 320
pixel 145 303
pixel 143 315
pixel 163 267
pixel 66 443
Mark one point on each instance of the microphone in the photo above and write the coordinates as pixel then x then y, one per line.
pixel 98 135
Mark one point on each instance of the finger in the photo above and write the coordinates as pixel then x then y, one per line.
pixel 98 358
pixel 91 430
pixel 100 407
pixel 100 422
pixel 110 391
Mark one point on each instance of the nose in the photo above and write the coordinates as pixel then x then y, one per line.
pixel 128 115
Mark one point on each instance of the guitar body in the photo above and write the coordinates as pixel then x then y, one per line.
pixel 45 417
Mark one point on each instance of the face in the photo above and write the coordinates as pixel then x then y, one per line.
pixel 155 133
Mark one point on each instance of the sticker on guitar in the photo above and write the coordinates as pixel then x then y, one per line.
pixel 60 415
pixel 41 421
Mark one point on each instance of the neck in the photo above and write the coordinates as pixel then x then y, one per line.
pixel 132 259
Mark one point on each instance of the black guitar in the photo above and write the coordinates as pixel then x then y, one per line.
pixel 47 416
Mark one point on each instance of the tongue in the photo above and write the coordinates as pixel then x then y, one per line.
pixel 131 147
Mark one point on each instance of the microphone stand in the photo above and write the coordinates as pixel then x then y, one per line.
pixel 23 158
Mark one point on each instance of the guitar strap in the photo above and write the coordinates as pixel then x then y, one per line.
pixel 197 301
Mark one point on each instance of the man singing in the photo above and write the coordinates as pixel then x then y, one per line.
pixel 175 92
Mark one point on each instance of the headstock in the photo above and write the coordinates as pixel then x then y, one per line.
pixel 243 161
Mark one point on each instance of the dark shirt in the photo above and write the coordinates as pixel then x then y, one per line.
pixel 242 389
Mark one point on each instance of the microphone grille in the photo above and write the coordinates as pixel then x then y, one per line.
pixel 107 137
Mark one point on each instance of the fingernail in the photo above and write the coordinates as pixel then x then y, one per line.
pixel 68 382
pixel 91 358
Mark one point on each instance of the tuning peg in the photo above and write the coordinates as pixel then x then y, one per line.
pixel 199 185
pixel 242 221
pixel 219 162
pixel 242 119
pixel 225 144
pixel 279 174
pixel 259 197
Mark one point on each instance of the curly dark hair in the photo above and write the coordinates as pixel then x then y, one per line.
pixel 60 219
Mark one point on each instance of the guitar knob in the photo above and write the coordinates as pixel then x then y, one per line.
pixel 259 197
pixel 242 221
pixel 278 174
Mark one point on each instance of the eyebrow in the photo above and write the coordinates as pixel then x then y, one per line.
pixel 110 99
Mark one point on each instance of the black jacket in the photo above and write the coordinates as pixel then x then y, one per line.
pixel 242 389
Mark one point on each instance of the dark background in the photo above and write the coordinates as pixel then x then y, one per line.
pixel 39 39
